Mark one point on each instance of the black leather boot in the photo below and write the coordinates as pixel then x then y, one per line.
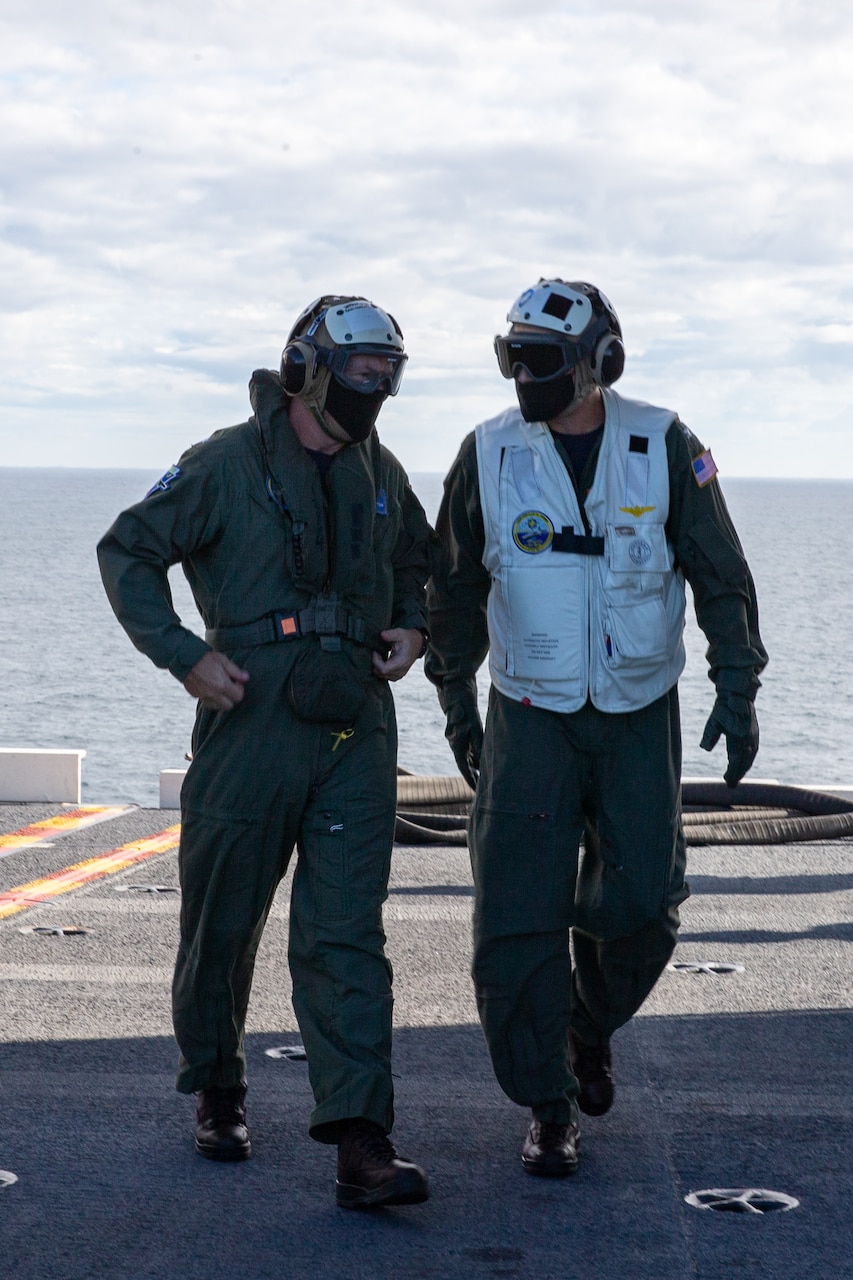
pixel 221 1132
pixel 550 1150
pixel 592 1065
pixel 371 1173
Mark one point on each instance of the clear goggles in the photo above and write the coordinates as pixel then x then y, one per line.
pixel 540 355
pixel 365 368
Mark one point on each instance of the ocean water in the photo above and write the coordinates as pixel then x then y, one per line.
pixel 71 677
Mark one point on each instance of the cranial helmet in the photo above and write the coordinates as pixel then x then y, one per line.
pixel 315 364
pixel 577 346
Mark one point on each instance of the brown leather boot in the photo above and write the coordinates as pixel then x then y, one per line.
pixel 371 1173
pixel 221 1132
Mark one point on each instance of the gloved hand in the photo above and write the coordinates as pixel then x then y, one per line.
pixel 733 715
pixel 464 729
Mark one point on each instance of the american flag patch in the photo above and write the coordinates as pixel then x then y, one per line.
pixel 704 468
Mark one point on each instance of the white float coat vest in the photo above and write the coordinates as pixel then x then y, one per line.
pixel 575 614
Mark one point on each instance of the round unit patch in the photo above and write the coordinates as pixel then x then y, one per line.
pixel 640 551
pixel 533 532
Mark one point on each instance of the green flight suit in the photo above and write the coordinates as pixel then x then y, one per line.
pixel 560 939
pixel 261 534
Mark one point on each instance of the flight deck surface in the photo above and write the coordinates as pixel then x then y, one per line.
pixel 732 1080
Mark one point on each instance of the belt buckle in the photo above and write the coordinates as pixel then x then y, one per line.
pixel 325 618
pixel 286 626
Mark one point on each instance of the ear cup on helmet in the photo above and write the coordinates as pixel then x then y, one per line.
pixel 298 367
pixel 608 361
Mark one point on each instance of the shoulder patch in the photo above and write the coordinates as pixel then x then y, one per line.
pixel 165 480
pixel 704 468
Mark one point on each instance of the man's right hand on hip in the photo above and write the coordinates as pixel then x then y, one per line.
pixel 216 681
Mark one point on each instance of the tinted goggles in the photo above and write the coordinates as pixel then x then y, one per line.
pixel 366 368
pixel 541 355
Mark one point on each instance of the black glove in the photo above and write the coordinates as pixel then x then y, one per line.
pixel 733 715
pixel 464 729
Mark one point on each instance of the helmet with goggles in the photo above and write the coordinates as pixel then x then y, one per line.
pixel 343 357
pixel 563 334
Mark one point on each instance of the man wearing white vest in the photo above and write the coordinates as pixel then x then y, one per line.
pixel 568 527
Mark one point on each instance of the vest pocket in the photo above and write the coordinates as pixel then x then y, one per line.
pixel 637 549
pixel 636 633
pixel 544 623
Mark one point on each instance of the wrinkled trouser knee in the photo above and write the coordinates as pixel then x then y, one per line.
pixel 619 776
pixel 611 977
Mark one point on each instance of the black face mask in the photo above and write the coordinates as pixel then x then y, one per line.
pixel 355 411
pixel 542 401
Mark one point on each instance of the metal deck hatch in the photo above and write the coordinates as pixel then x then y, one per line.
pixel 754 1200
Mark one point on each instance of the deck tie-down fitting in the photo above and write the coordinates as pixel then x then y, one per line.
pixel 714 968
pixel 293 1052
pixel 742 1200
pixel 146 888
pixel 55 930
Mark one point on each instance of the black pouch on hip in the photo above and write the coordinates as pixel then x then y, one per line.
pixel 326 686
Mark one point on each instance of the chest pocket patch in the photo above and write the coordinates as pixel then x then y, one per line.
pixel 641 548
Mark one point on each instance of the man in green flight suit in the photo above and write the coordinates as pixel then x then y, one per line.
pixel 307 554
pixel 568 527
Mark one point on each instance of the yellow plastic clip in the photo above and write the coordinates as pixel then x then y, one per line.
pixel 342 737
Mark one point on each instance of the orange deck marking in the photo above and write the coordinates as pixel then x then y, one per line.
pixel 59 825
pixel 74 877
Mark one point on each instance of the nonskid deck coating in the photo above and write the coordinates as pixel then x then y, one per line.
pixel 742 1080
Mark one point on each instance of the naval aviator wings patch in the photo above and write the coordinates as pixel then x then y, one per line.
pixel 636 511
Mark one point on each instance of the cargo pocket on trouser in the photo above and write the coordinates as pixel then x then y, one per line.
pixel 524 870
pixel 323 849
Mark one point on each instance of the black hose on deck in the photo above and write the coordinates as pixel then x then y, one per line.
pixel 813 815
pixel 433 810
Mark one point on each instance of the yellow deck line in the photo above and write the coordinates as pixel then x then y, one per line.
pixel 105 864
pixel 59 825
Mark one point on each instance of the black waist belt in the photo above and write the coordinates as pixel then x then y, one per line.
pixel 577 544
pixel 323 620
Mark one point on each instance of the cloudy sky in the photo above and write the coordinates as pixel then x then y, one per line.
pixel 178 179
